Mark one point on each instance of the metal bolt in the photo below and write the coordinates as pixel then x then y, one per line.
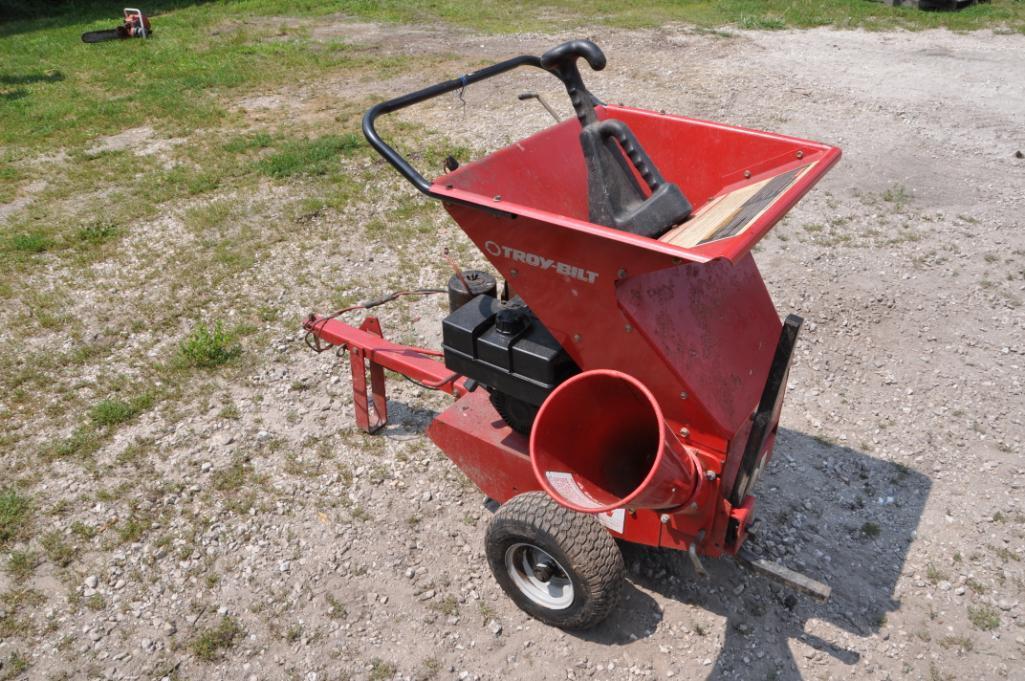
pixel 498 197
pixel 664 518
pixel 514 272
pixel 683 395
pixel 747 173
pixel 710 475
pixel 685 432
pixel 621 273
pixel 629 328
pixel 449 186
pixel 800 154
pixel 576 338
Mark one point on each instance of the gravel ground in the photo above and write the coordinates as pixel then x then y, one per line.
pixel 898 475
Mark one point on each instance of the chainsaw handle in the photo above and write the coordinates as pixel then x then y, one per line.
pixel 393 157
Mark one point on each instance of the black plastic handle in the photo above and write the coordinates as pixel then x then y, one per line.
pixel 562 61
pixel 634 151
pixel 393 157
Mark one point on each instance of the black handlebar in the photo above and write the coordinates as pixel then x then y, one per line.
pixel 402 165
pixel 560 61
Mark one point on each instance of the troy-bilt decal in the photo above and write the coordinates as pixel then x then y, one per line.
pixel 535 260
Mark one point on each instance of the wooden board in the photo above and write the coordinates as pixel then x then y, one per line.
pixel 732 213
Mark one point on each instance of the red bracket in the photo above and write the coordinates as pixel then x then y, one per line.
pixel 376 396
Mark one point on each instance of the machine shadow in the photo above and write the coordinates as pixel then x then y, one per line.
pixel 829 511
pixel 836 514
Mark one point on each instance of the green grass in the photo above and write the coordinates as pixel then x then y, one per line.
pixel 381 670
pixel 870 530
pixel 207 347
pixel 113 412
pixel 54 90
pixel 20 565
pixel 57 550
pixel 310 157
pixel 210 644
pixel 15 514
pixel 984 617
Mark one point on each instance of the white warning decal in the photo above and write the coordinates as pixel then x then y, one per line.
pixel 568 489
pixel 614 520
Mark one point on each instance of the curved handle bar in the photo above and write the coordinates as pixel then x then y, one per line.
pixel 567 54
pixel 402 165
pixel 562 61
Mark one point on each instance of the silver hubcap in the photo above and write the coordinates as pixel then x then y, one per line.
pixel 539 576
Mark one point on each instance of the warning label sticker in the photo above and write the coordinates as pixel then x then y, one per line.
pixel 570 490
pixel 614 520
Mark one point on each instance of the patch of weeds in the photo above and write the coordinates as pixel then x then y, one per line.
pixel 81 444
pixel 114 412
pixel 962 643
pixel 30 242
pixel 95 602
pixel 432 667
pixel 132 529
pixel 58 551
pixel 381 670
pixel 934 574
pixel 310 157
pixel 230 411
pixel 335 608
pixel 935 674
pixel 897 195
pixel 16 665
pixel 82 530
pixel 210 644
pixel 97 233
pixel 294 633
pixel 135 452
pixel 20 565
pixel 447 606
pixel 870 530
pixel 984 617
pixel 1005 554
pixel 15 514
pixel 359 513
pixel 766 22
pixel 699 630
pixel 232 478
pixel 206 348
pixel 260 140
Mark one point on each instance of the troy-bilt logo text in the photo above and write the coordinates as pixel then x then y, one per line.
pixel 535 260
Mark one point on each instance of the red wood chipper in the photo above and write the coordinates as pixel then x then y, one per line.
pixel 627 383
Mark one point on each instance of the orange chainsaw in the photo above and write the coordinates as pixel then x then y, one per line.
pixel 136 25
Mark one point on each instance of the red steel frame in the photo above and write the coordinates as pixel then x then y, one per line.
pixel 696 325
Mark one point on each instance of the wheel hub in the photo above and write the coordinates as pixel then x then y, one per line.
pixel 539 576
pixel 544 570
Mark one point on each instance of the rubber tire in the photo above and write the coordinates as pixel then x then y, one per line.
pixel 581 545
pixel 517 414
